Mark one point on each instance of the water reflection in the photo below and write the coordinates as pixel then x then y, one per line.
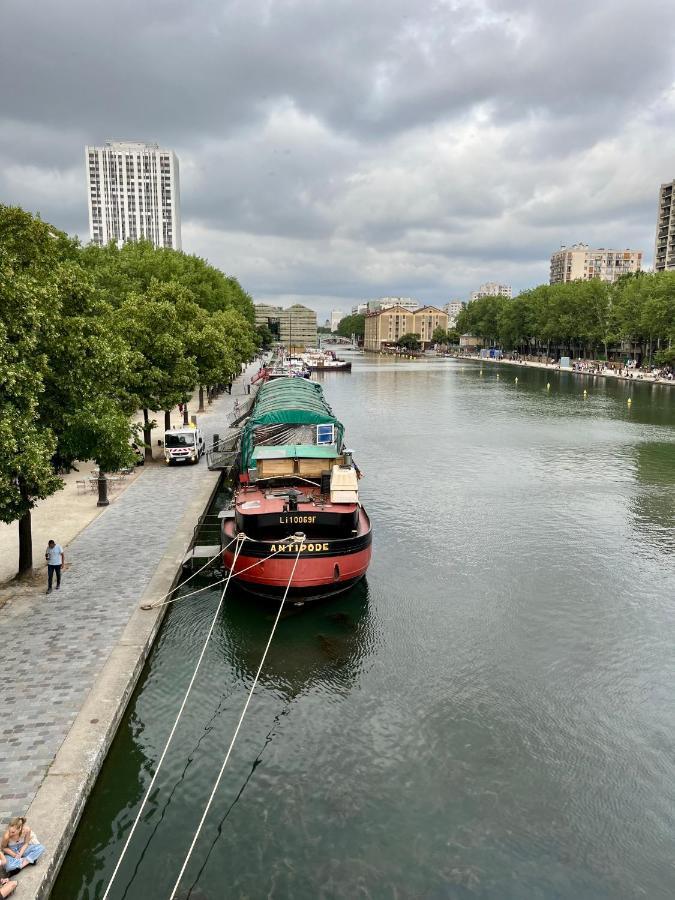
pixel 652 510
pixel 323 643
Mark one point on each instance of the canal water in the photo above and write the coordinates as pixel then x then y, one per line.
pixel 491 715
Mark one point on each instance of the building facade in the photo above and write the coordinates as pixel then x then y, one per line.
pixel 580 263
pixel 453 309
pixel 133 192
pixel 491 289
pixel 385 326
pixel 336 316
pixel 664 248
pixel 292 326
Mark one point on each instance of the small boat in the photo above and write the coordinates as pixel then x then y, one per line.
pixel 297 492
pixel 325 361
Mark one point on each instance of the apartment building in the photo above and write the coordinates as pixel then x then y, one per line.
pixel 580 263
pixel 453 309
pixel 385 326
pixel 491 289
pixel 133 192
pixel 293 326
pixel 664 249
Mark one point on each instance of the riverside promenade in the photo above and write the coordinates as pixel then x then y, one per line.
pixel 71 659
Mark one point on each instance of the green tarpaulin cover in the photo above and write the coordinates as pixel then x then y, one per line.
pixel 291 401
pixel 295 451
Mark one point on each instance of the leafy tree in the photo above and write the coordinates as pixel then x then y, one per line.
pixel 161 372
pixel 352 325
pixel 265 336
pixel 27 304
pixel 132 268
pixel 440 336
pixel 409 341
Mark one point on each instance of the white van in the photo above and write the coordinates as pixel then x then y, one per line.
pixel 183 444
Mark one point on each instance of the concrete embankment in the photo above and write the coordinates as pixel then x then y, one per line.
pixel 75 655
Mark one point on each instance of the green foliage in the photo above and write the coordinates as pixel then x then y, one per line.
pixel 26 306
pixel 580 316
pixel 352 325
pixel 89 335
pixel 265 336
pixel 132 268
pixel 409 341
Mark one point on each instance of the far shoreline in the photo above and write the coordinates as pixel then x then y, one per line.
pixel 555 367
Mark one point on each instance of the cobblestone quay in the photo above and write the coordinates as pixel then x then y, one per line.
pixel 56 646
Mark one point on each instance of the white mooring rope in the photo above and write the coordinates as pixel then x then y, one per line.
pixel 175 725
pixel 239 723
pixel 161 600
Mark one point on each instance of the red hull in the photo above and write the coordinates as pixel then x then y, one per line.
pixel 310 571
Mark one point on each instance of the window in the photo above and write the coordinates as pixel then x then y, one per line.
pixel 325 434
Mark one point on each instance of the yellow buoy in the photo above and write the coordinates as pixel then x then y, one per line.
pixel 629 401
pixel 585 393
pixel 548 385
pixel 481 371
pixel 516 380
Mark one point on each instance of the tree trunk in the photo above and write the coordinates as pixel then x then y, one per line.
pixel 147 436
pixel 201 398
pixel 25 544
pixel 167 420
pixel 186 420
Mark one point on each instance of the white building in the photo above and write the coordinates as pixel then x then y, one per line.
pixel 453 309
pixel 336 316
pixel 403 302
pixel 359 309
pixel 133 192
pixel 491 289
pixel 580 262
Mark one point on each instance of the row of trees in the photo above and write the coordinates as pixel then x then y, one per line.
pixel 352 325
pixel 89 335
pixel 589 318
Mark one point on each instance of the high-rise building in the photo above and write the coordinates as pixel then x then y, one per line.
pixel 293 326
pixel 580 263
pixel 664 249
pixel 133 192
pixel 453 309
pixel 491 289
pixel 336 316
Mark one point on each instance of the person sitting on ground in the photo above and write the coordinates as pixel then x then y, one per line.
pixel 17 848
pixel 7 887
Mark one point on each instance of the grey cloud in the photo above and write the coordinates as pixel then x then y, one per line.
pixel 353 148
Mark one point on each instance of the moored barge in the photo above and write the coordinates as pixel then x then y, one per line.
pixel 297 489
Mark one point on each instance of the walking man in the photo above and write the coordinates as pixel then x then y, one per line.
pixel 55 559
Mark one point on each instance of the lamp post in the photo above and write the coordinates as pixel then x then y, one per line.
pixel 102 489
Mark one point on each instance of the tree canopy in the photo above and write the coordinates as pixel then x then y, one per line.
pixel 588 317
pixel 88 335
pixel 352 325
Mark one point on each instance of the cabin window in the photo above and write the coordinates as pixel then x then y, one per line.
pixel 325 434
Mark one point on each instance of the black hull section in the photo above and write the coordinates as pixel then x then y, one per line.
pixel 298 596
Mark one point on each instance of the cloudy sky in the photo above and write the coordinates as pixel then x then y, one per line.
pixel 333 150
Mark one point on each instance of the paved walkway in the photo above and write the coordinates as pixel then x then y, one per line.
pixel 54 647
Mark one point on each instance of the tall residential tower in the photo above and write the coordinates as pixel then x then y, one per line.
pixel 664 249
pixel 133 192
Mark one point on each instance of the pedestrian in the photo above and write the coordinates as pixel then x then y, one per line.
pixel 18 846
pixel 55 559
pixel 248 388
